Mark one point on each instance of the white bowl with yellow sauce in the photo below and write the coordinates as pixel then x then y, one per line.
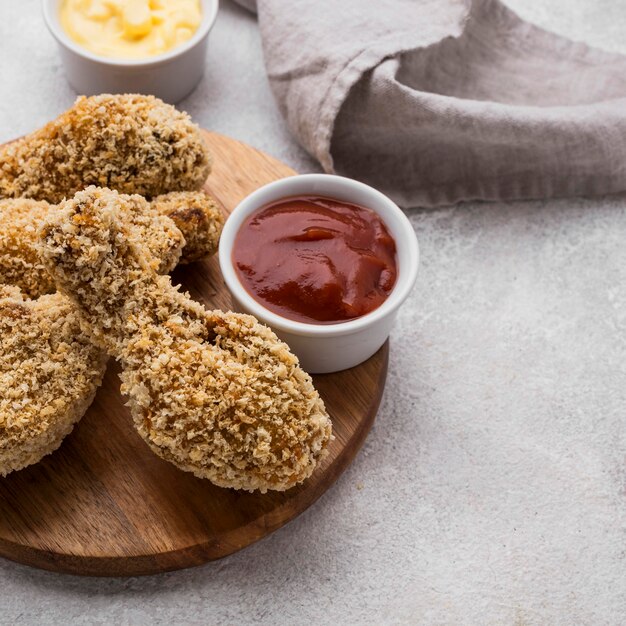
pixel 153 47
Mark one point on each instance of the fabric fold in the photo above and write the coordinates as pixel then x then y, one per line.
pixel 437 101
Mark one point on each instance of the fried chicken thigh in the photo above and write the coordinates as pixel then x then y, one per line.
pixel 131 143
pixel 215 393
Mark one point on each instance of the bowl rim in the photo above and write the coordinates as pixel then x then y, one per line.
pixel 54 26
pixel 407 240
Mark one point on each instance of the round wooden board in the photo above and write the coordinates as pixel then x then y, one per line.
pixel 104 504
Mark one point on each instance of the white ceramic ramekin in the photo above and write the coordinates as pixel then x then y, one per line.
pixel 324 348
pixel 169 76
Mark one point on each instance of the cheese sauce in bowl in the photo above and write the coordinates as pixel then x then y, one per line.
pixel 153 47
pixel 130 29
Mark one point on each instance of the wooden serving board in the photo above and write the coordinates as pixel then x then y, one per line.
pixel 104 504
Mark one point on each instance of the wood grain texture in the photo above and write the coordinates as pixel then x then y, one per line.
pixel 104 504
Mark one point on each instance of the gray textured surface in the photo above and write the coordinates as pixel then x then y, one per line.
pixel 492 489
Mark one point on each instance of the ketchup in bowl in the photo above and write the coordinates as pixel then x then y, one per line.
pixel 316 259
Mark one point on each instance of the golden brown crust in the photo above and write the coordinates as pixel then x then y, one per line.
pixel 48 366
pixel 49 373
pixel 131 143
pixel 20 264
pixel 176 227
pixel 199 218
pixel 215 393
pixel 21 218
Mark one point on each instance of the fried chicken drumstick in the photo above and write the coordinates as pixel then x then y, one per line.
pixel 131 143
pixel 49 368
pixel 215 393
pixel 179 227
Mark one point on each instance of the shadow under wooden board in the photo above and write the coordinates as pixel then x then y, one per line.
pixel 104 504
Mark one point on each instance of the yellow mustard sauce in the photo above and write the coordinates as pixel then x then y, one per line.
pixel 130 29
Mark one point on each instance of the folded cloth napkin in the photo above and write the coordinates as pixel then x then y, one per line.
pixel 437 101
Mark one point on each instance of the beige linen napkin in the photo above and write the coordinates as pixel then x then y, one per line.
pixel 437 101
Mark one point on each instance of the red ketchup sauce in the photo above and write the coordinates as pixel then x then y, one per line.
pixel 316 260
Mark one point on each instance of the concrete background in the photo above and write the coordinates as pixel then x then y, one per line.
pixel 492 489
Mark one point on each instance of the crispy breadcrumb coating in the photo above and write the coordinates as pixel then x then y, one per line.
pixel 199 218
pixel 20 264
pixel 194 213
pixel 48 366
pixel 131 143
pixel 49 373
pixel 21 218
pixel 215 393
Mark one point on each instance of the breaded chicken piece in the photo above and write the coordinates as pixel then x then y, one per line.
pixel 199 218
pixel 131 143
pixel 49 368
pixel 20 264
pixel 194 213
pixel 215 393
pixel 49 373
pixel 19 258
